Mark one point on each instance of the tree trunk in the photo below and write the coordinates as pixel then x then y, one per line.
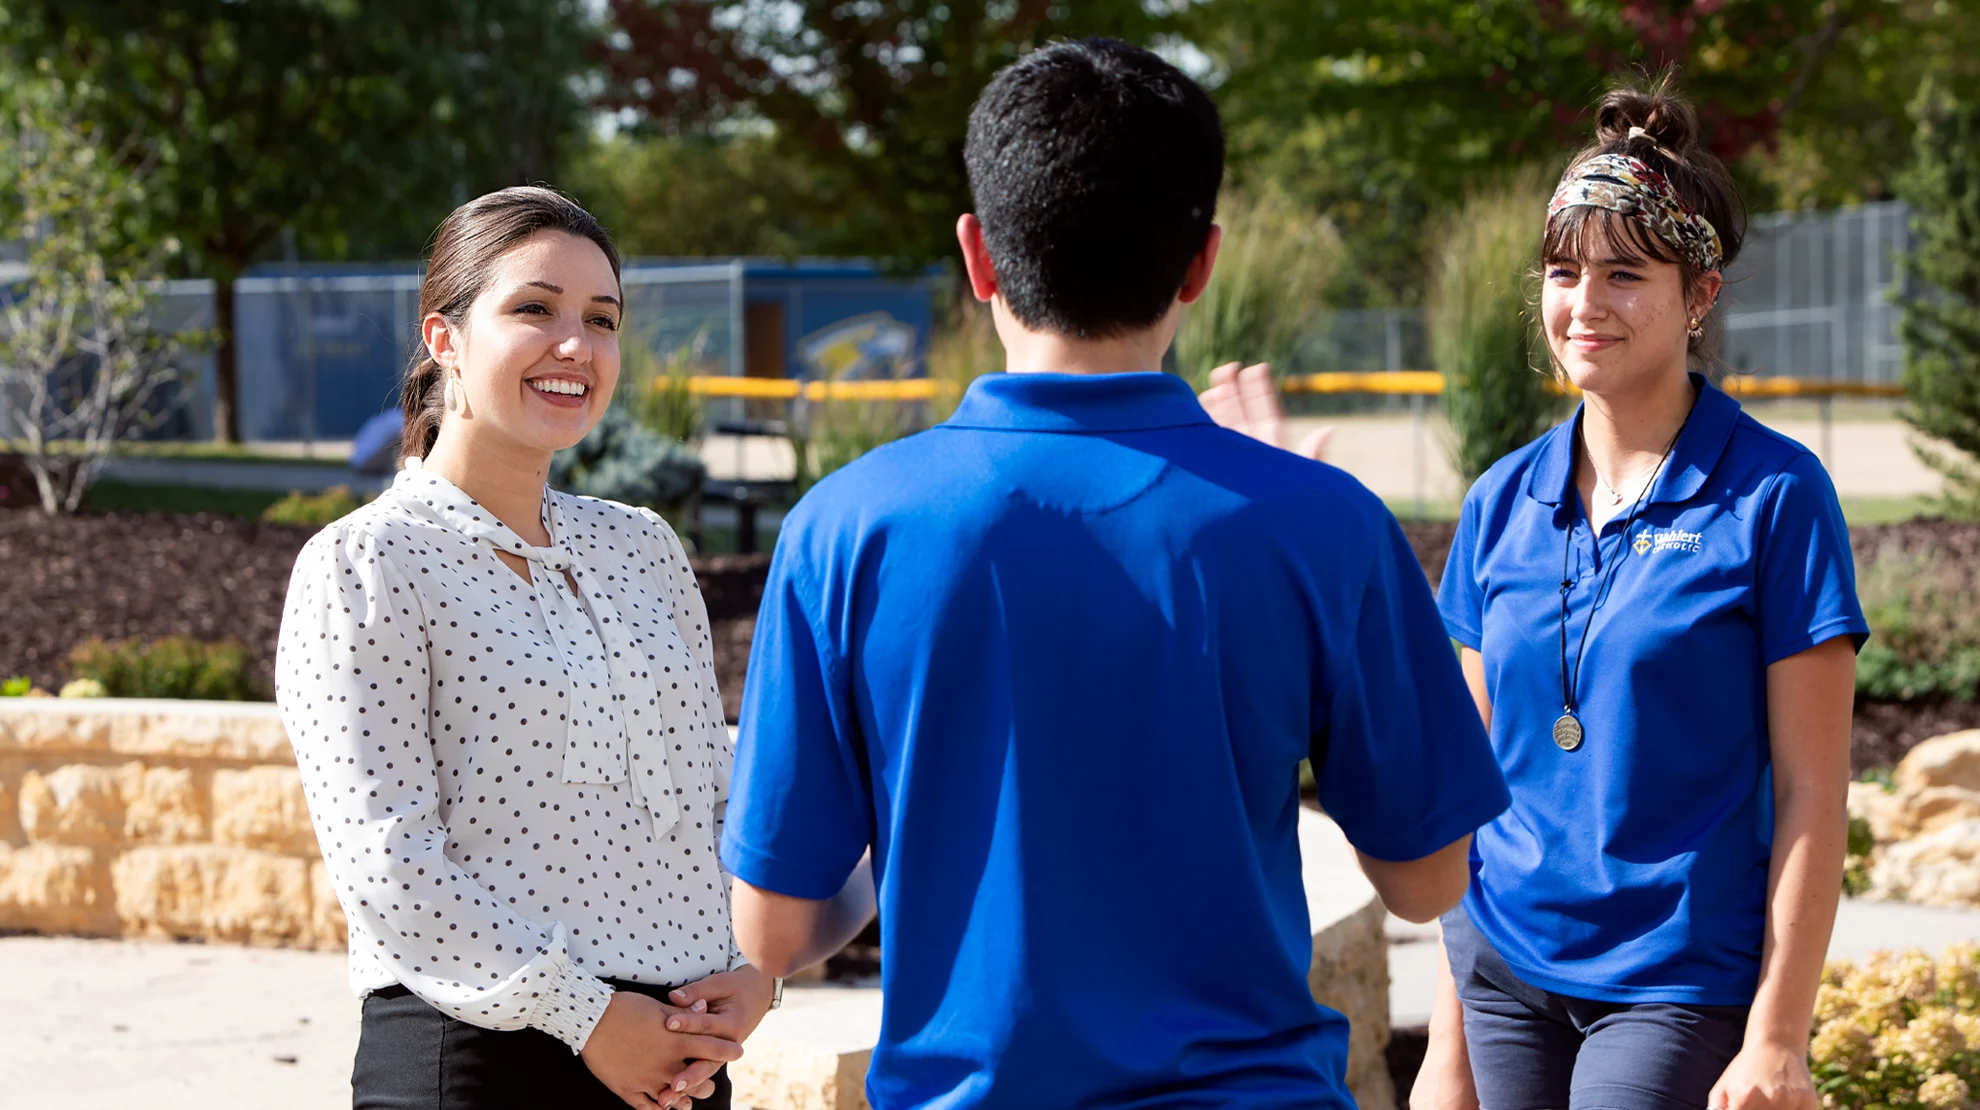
pixel 226 371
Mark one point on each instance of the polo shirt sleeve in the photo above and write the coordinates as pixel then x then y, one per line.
pixel 1460 599
pixel 1806 580
pixel 799 804
pixel 1406 767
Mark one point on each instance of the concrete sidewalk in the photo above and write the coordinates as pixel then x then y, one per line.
pixel 102 1023
pixel 208 1027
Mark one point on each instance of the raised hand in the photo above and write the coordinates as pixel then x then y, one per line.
pixel 1243 399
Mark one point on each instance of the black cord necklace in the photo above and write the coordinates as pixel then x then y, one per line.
pixel 1568 732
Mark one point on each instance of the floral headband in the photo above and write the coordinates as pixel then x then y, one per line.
pixel 1628 185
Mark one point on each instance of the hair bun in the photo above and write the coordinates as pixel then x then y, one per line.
pixel 1665 118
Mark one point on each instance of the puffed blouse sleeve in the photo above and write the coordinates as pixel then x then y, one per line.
pixel 355 696
pixel 691 621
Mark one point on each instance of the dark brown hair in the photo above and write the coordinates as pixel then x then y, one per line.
pixel 463 255
pixel 1671 145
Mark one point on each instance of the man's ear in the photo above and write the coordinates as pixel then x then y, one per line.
pixel 976 257
pixel 1197 278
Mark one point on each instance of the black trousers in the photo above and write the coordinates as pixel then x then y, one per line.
pixel 413 1057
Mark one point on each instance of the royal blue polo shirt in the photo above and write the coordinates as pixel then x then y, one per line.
pixel 1057 661
pixel 1634 869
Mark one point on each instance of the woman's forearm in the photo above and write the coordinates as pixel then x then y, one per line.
pixel 1804 883
pixel 1809 699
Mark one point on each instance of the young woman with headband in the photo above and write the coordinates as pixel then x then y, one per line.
pixel 1656 609
pixel 502 701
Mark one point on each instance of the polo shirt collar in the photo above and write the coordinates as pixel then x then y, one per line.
pixel 1039 402
pixel 1696 452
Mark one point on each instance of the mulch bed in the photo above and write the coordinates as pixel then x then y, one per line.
pixel 141 575
pixel 146 575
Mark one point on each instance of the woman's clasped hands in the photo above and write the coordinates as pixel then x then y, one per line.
pixel 653 1055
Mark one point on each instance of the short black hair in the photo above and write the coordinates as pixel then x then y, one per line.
pixel 1094 166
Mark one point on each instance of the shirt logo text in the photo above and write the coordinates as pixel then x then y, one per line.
pixel 1650 541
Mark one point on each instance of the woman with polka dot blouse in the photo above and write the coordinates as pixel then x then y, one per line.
pixel 502 699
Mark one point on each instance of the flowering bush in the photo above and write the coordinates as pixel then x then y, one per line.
pixel 1900 1032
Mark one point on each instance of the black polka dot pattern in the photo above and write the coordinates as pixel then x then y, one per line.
pixel 518 784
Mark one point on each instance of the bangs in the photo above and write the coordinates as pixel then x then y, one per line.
pixel 1574 233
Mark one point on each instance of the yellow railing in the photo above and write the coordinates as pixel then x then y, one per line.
pixel 784 389
pixel 1407 382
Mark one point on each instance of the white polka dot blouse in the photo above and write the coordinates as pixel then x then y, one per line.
pixel 518 786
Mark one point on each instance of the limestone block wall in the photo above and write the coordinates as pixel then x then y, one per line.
pixel 168 819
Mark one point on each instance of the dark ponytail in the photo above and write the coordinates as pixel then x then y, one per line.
pixel 463 255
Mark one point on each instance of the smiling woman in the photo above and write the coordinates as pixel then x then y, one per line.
pixel 1657 610
pixel 531 282
pixel 503 704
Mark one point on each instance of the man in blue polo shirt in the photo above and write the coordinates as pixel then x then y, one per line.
pixel 1054 664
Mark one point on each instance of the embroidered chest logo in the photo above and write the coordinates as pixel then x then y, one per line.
pixel 1650 541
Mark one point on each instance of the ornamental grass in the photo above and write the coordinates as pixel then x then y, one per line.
pixel 1900 1031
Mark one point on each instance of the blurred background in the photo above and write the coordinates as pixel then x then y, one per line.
pixel 261 177
pixel 210 230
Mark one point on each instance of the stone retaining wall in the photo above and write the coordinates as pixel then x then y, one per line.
pixel 158 819
pixel 186 820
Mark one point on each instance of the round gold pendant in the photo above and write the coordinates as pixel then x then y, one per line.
pixel 1567 732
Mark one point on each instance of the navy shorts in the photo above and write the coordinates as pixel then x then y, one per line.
pixel 1533 1049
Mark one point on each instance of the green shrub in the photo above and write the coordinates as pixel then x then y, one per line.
pixel 826 435
pixel 16 687
pixel 1272 272
pixel 171 667
pixel 1482 333
pixel 312 510
pixel 653 384
pixel 1856 857
pixel 1924 615
pixel 622 460
pixel 962 349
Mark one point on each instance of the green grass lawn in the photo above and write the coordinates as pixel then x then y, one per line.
pixel 208 450
pixel 110 496
pixel 1405 508
pixel 1886 510
pixel 132 497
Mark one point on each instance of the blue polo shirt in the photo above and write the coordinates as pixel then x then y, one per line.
pixel 1057 661
pixel 1634 869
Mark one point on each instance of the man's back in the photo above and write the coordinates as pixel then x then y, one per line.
pixel 1058 660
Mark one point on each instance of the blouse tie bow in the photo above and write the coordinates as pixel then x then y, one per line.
pixel 614 728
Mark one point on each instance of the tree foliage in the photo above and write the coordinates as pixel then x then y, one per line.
pixel 81 367
pixel 1940 325
pixel 1382 113
pixel 696 195
pixel 869 102
pixel 353 127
